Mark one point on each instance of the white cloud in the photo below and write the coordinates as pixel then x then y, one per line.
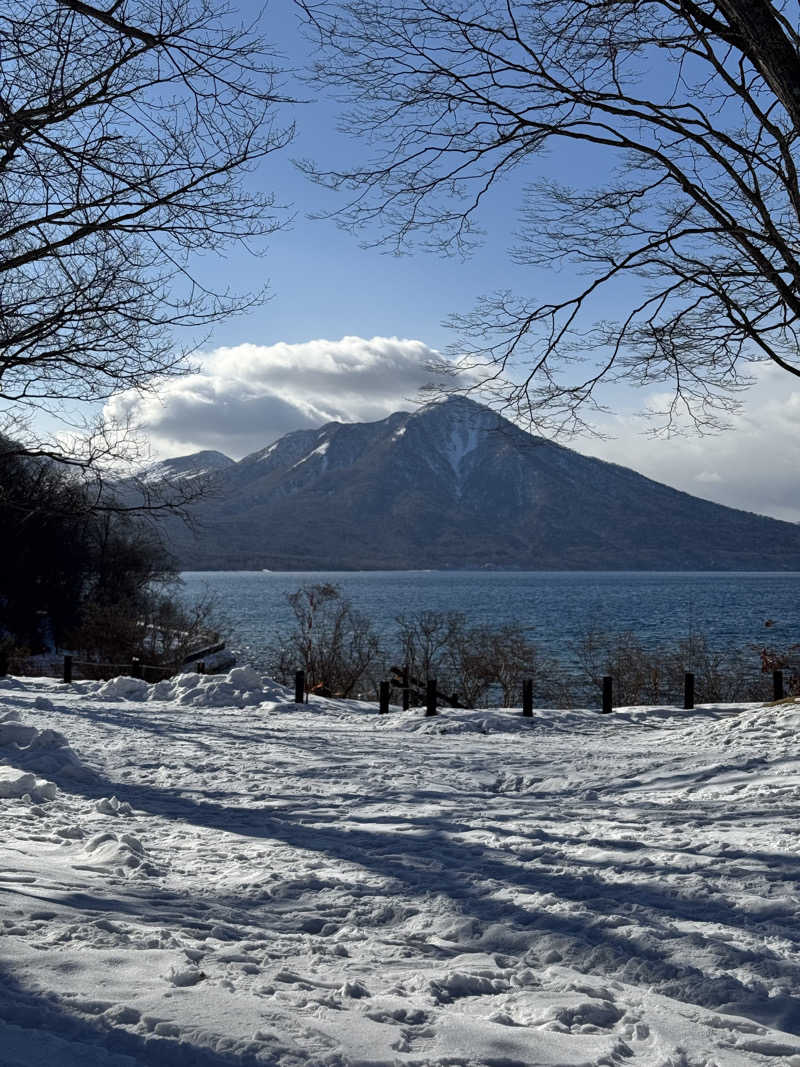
pixel 754 465
pixel 245 397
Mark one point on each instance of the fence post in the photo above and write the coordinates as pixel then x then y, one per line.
pixel 406 694
pixel 299 687
pixel 688 690
pixel 607 694
pixel 430 697
pixel 67 669
pixel 136 667
pixel 777 685
pixel 201 667
pixel 527 698
pixel 383 698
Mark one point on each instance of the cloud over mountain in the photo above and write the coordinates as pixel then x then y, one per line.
pixel 245 397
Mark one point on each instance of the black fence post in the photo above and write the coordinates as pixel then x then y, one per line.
pixel 67 669
pixel 201 667
pixel 383 698
pixel 527 698
pixel 430 697
pixel 607 694
pixel 406 693
pixel 136 667
pixel 299 687
pixel 688 690
pixel 777 685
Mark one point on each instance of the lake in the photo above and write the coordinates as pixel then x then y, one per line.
pixel 554 608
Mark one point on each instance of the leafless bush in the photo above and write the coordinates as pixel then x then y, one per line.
pixel 475 663
pixel 786 660
pixel 425 643
pixel 331 641
pixel 484 664
pixel 159 630
pixel 640 675
pixel 645 675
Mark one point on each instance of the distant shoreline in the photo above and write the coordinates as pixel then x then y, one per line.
pixel 481 570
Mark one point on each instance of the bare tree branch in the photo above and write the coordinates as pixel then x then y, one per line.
pixel 127 132
pixel 691 106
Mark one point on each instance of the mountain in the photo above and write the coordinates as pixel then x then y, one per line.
pixel 197 465
pixel 456 485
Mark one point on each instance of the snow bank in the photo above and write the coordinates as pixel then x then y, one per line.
pixel 15 783
pixel 241 687
pixel 43 751
pixel 124 688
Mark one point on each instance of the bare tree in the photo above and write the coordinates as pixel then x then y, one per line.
pixel 471 661
pixel 426 640
pixel 693 109
pixel 644 674
pixel 334 643
pixel 126 135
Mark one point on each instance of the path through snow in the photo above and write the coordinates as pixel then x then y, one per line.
pixel 201 872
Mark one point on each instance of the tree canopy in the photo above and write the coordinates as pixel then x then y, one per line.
pixel 693 109
pixel 126 134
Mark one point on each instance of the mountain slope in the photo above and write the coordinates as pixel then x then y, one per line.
pixel 197 465
pixel 456 485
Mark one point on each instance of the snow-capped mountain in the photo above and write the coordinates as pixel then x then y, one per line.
pixel 197 465
pixel 454 484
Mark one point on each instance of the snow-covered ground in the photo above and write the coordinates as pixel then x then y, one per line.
pixel 202 872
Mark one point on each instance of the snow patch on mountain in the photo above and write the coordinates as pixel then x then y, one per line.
pixel 462 441
pixel 264 453
pixel 186 468
pixel 319 451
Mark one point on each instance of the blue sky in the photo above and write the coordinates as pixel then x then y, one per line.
pixel 324 283
pixel 271 371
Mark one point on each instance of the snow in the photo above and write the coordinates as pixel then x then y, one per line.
pixel 202 872
pixel 265 453
pixel 319 451
pixel 463 439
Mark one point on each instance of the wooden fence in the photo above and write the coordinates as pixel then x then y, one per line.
pixel 402 680
pixel 71 668
pixel 434 699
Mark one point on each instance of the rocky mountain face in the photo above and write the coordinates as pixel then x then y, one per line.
pixel 456 485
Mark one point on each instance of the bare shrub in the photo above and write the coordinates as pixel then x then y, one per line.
pixel 640 676
pixel 425 647
pixel 786 660
pixel 157 629
pixel 335 644
pixel 644 675
pixel 474 663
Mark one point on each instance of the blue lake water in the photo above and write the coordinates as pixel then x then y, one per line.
pixel 554 608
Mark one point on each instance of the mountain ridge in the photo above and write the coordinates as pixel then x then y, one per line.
pixel 455 485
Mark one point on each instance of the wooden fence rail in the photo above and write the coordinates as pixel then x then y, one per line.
pixel 401 679
pixel 433 698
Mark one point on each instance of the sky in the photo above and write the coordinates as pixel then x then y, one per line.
pixel 348 332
